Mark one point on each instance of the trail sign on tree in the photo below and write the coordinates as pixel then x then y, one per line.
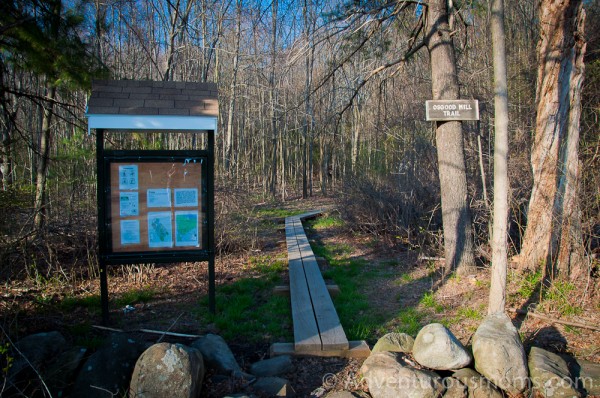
pixel 444 110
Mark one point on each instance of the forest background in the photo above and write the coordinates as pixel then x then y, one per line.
pixel 313 101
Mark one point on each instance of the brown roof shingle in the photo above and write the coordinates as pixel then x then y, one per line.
pixel 145 97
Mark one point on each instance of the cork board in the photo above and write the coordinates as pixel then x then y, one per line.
pixel 156 206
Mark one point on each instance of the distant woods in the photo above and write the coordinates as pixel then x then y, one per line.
pixel 316 97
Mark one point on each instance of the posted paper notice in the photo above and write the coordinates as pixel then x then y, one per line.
pixel 186 197
pixel 130 232
pixel 186 228
pixel 128 177
pixel 159 197
pixel 160 233
pixel 128 204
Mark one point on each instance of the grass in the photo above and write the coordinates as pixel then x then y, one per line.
pixel 409 321
pixel 83 336
pixel 248 309
pixel 360 321
pixel 325 222
pixel 429 301
pixel 529 284
pixel 93 302
pixel 559 297
pixel 278 213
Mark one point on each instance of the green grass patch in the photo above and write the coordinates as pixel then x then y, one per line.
pixel 429 301
pixel 91 303
pixel 359 320
pixel 409 321
pixel 559 297
pixel 278 213
pixel 135 296
pixel 475 314
pixel 83 336
pixel 529 284
pixel 267 264
pixel 325 222
pixel 248 309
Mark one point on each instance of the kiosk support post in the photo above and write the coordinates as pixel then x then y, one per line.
pixel 211 221
pixel 101 231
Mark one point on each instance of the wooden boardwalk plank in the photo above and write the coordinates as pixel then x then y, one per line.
pixel 306 332
pixel 327 321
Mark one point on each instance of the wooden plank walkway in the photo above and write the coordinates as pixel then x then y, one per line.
pixel 317 327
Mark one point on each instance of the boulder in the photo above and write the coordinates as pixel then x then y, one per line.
pixel 394 342
pixel 389 375
pixel 168 370
pixel 61 372
pixel 455 388
pixel 273 387
pixel 499 354
pixel 550 374
pixel 272 367
pixel 437 348
pixel 35 350
pixel 477 385
pixel 217 355
pixel 109 369
pixel 347 394
pixel 588 375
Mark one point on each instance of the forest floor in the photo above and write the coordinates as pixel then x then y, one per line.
pixel 384 286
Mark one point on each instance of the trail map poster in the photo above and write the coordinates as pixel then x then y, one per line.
pixel 156 205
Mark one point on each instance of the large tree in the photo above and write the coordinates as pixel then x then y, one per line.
pixel 456 215
pixel 553 235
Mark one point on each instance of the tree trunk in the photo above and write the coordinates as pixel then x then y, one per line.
pixel 39 205
pixel 229 135
pixel 553 234
pixel 497 299
pixel 273 98
pixel 456 216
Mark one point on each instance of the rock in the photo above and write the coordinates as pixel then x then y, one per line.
pixel 394 342
pixel 499 354
pixel 36 349
pixel 273 387
pixel 477 386
pixel 61 373
pixel 168 370
pixel 437 348
pixel 109 369
pixel 455 388
pixel 588 376
pixel 550 374
pixel 347 394
pixel 388 375
pixel 272 367
pixel 217 355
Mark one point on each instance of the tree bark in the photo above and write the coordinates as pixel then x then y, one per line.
pixel 456 215
pixel 228 154
pixel 553 235
pixel 39 205
pixel 497 299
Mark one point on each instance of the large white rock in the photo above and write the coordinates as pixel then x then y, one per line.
pixel 388 375
pixel 437 348
pixel 499 354
pixel 168 370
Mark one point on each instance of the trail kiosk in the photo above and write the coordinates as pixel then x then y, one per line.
pixel 154 206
